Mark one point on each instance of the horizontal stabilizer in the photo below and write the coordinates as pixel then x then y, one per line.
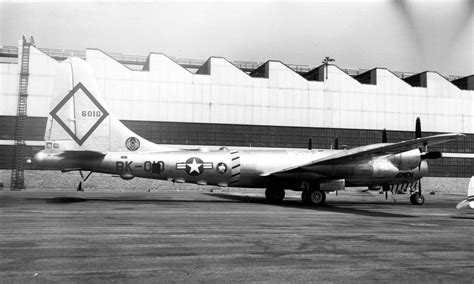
pixel 469 201
pixel 82 154
pixel 464 204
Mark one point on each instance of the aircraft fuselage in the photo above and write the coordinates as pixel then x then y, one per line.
pixel 242 168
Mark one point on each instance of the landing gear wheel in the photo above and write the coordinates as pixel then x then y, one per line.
pixel 417 199
pixel 275 194
pixel 316 197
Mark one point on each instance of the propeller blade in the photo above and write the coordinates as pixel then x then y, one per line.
pixel 418 128
pixel 432 155
pixel 336 143
pixel 310 143
pixel 384 136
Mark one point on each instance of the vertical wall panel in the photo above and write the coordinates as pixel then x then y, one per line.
pixel 341 101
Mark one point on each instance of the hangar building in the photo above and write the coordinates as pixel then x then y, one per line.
pixel 222 103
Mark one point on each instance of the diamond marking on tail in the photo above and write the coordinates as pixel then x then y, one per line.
pixel 100 113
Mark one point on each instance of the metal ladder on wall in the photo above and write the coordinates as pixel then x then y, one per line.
pixel 19 147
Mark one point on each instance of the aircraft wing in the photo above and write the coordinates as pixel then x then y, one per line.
pixel 82 154
pixel 359 153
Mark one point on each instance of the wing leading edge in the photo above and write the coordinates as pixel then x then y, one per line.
pixel 359 153
pixel 85 154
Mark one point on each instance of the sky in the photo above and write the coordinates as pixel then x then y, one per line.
pixel 411 36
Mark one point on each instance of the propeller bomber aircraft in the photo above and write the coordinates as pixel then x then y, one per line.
pixel 82 135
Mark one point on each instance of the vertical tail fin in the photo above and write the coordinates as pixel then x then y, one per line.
pixel 80 119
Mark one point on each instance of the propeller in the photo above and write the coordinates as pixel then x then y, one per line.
pixel 384 136
pixel 417 136
pixel 418 128
pixel 425 154
pixel 432 155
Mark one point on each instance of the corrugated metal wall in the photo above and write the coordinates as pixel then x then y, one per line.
pixel 169 92
pixel 275 107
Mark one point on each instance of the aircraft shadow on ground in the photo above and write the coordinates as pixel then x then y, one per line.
pixel 226 198
pixel 298 204
pixel 66 200
pixel 469 216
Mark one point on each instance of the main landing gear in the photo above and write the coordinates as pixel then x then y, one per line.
pixel 275 194
pixel 311 195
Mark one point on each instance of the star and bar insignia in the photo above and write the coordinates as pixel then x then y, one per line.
pixel 194 166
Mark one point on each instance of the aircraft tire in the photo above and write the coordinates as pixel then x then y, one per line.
pixel 317 197
pixel 417 199
pixel 275 194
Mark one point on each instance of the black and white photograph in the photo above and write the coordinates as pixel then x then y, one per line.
pixel 237 141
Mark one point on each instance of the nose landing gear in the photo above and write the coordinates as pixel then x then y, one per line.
pixel 417 198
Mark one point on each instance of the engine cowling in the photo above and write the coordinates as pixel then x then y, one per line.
pixel 407 160
pixel 384 168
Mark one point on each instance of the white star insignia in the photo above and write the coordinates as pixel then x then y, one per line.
pixel 194 167
pixel 222 168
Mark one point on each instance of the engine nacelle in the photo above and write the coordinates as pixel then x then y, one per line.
pixel 407 160
pixel 333 185
pixel 384 168
pixel 374 187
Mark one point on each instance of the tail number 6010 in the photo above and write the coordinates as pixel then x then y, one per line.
pixel 91 113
